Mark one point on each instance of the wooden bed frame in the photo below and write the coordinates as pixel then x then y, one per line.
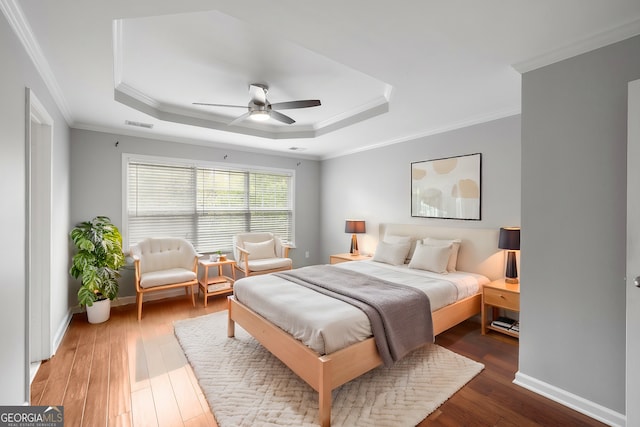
pixel 326 372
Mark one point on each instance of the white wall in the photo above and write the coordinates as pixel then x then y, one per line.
pixel 16 73
pixel 375 185
pixel 96 184
pixel 573 221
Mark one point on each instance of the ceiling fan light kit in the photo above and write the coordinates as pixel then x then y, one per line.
pixel 260 109
pixel 259 115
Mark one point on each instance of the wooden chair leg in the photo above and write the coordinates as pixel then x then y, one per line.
pixel 231 325
pixel 139 296
pixel 193 298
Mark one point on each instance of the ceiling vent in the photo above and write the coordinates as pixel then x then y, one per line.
pixel 138 124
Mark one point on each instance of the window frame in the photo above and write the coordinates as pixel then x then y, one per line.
pixel 127 158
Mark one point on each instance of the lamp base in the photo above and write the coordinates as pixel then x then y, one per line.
pixel 354 246
pixel 511 275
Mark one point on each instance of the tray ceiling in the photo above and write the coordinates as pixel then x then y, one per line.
pixel 165 63
pixel 385 72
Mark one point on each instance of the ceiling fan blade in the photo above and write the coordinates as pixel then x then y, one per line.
pixel 281 117
pixel 219 105
pixel 295 104
pixel 239 119
pixel 258 94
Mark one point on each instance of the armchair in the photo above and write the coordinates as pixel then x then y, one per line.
pixel 164 263
pixel 260 253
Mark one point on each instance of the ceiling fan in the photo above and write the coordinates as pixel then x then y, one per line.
pixel 260 109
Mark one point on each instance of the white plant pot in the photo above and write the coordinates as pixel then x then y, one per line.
pixel 99 312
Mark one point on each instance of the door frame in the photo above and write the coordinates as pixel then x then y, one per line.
pixel 632 367
pixel 39 203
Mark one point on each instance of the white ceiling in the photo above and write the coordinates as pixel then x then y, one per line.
pixel 385 71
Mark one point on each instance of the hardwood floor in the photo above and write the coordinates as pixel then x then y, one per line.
pixel 491 399
pixel 129 373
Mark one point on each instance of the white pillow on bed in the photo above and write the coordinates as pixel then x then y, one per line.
pixel 431 258
pixel 392 238
pixel 391 253
pixel 455 248
pixel 261 250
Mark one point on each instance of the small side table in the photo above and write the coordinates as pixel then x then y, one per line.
pixel 499 294
pixel 338 258
pixel 216 285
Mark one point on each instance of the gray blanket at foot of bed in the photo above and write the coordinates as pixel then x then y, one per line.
pixel 400 315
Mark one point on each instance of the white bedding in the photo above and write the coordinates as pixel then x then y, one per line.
pixel 326 324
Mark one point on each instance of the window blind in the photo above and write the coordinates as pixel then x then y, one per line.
pixel 205 205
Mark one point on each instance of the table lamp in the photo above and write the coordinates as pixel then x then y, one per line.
pixel 510 240
pixel 354 226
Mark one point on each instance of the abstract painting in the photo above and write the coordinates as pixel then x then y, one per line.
pixel 447 188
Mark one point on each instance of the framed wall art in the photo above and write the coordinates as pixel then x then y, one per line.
pixel 447 188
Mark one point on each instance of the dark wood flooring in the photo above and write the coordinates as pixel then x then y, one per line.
pixel 128 373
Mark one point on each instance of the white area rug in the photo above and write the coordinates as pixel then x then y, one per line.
pixel 247 386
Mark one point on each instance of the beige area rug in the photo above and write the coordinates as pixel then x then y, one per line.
pixel 247 386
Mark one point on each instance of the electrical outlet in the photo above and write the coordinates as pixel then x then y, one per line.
pixel 306 254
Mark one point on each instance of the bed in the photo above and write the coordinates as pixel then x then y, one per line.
pixel 328 363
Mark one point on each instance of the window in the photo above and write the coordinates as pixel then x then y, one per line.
pixel 206 204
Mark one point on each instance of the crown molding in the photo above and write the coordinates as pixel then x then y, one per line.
pixel 368 109
pixel 484 118
pixel 117 28
pixel 596 41
pixel 134 98
pixel 22 29
pixel 209 143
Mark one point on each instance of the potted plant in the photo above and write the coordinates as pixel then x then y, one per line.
pixel 97 264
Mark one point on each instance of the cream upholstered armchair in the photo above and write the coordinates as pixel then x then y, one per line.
pixel 164 263
pixel 260 253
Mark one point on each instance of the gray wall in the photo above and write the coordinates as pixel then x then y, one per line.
pixel 16 73
pixel 573 222
pixel 573 207
pixel 375 185
pixel 96 184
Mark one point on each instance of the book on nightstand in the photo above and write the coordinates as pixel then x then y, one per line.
pixel 503 323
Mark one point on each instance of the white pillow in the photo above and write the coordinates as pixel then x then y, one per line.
pixel 261 250
pixel 431 258
pixel 455 248
pixel 392 238
pixel 391 253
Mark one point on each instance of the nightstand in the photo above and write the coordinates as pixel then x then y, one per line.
pixel 499 294
pixel 338 258
pixel 216 285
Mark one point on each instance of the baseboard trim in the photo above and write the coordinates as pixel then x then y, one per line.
pixel 153 296
pixel 62 329
pixel 33 370
pixel 57 340
pixel 571 400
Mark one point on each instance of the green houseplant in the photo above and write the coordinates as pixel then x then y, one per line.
pixel 98 260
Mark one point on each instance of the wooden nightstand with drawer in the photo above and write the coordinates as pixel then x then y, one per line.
pixel 499 294
pixel 338 258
